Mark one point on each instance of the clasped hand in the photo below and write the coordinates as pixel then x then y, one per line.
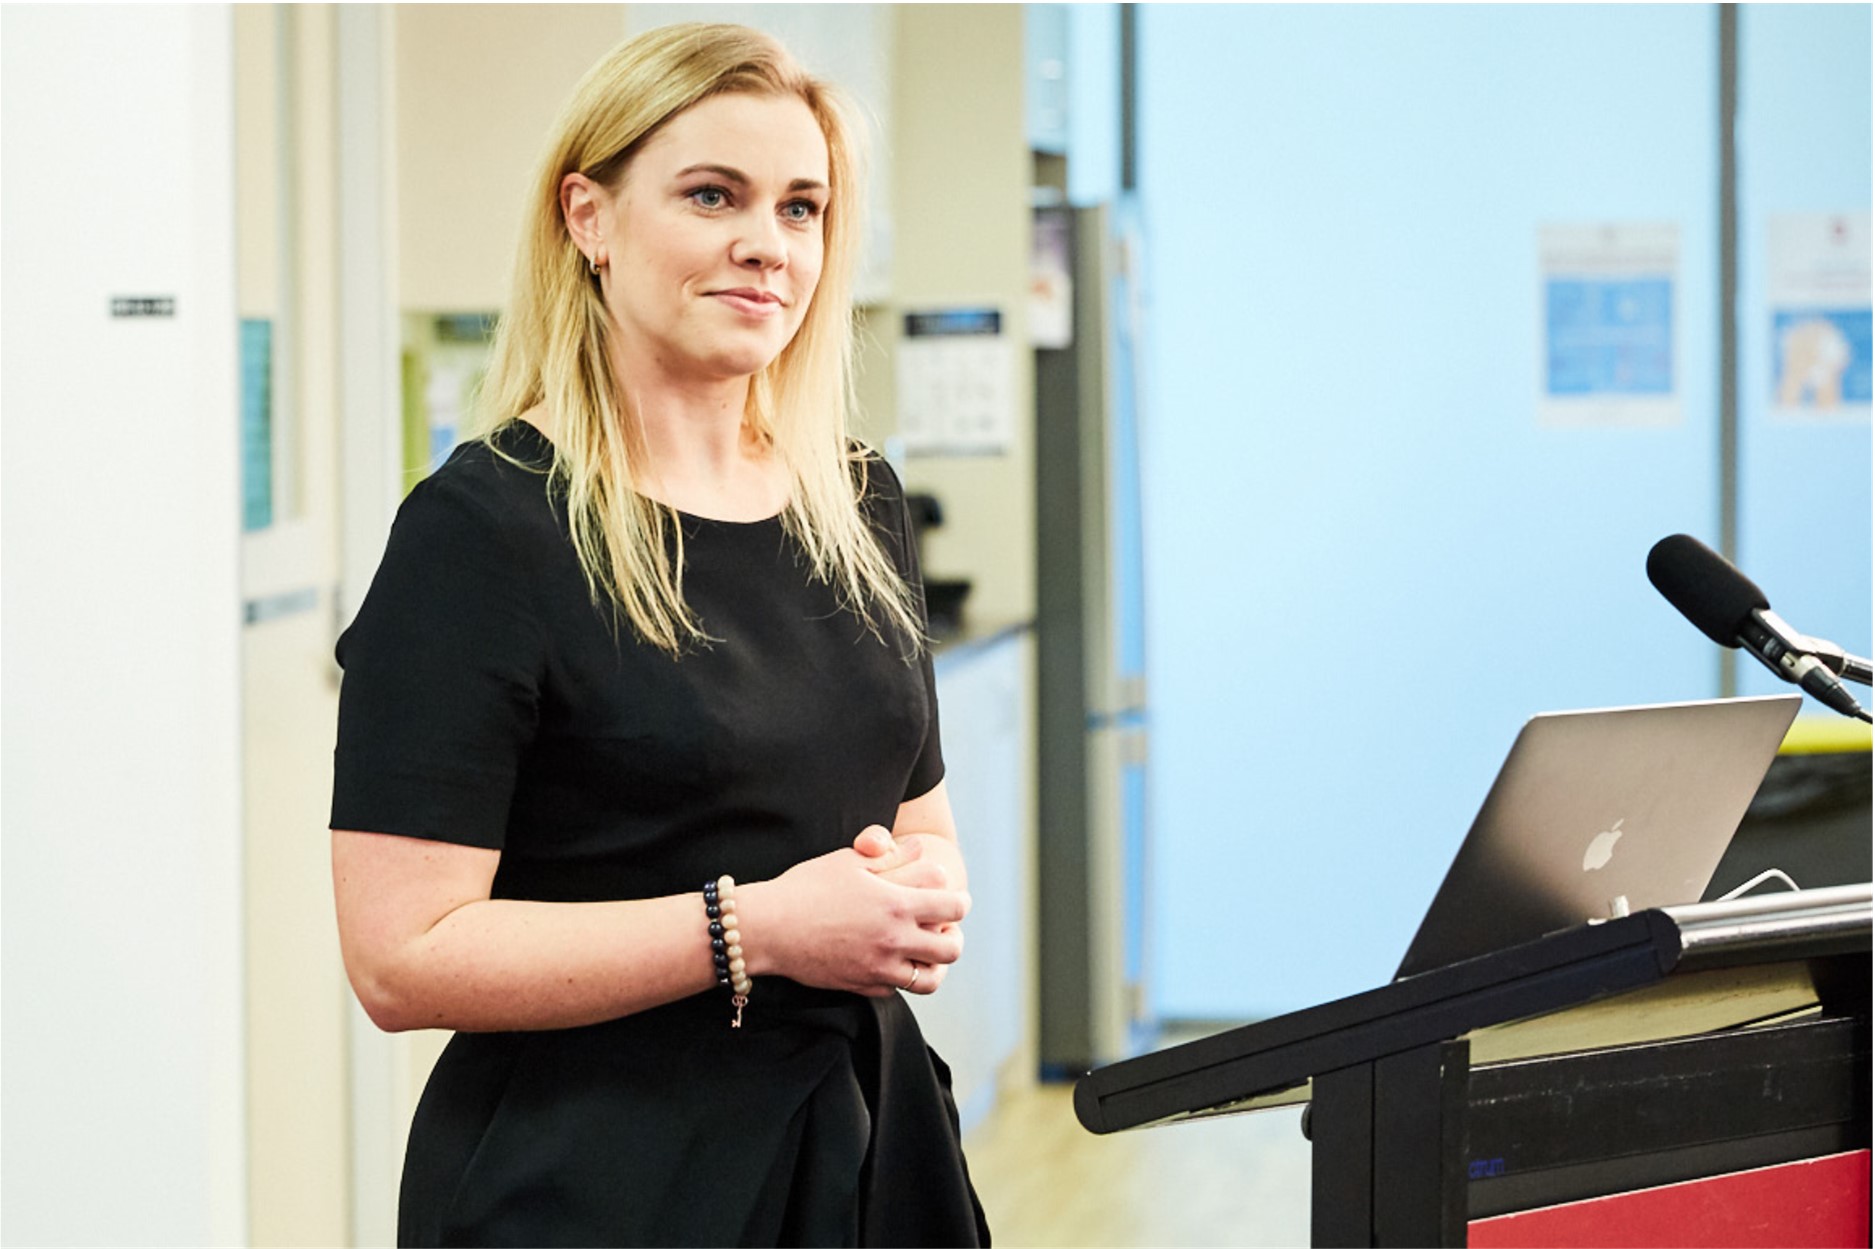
pixel 860 919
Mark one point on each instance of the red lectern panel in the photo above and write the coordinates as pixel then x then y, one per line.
pixel 1818 1203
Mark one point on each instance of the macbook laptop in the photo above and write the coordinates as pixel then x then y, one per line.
pixel 1599 813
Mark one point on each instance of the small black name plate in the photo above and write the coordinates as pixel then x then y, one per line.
pixel 143 306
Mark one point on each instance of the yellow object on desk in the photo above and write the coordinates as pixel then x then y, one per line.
pixel 1825 735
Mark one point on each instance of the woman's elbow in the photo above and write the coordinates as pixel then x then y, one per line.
pixel 386 1000
pixel 391 895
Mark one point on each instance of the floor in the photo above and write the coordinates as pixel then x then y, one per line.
pixel 1045 1180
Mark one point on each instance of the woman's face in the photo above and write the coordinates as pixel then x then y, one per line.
pixel 714 242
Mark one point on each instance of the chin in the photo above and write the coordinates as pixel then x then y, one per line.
pixel 741 365
pixel 746 361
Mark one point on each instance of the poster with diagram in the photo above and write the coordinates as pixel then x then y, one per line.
pixel 1608 324
pixel 1817 297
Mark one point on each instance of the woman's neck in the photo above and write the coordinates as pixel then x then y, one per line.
pixel 691 431
pixel 699 455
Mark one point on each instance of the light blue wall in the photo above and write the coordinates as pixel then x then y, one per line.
pixel 1367 563
pixel 1804 144
pixel 1072 53
pixel 1093 36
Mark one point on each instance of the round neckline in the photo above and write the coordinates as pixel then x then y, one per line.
pixel 717 520
pixel 533 431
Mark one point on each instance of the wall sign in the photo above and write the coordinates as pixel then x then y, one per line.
pixel 143 305
pixel 1817 296
pixel 956 382
pixel 1607 324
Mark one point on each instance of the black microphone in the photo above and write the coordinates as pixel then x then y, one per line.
pixel 1730 609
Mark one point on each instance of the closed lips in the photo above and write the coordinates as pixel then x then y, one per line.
pixel 747 295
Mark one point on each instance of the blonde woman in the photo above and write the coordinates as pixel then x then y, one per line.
pixel 639 786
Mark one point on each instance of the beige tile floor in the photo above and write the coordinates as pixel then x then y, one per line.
pixel 1045 1180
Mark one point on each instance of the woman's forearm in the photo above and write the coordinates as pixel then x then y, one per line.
pixel 942 849
pixel 502 964
pixel 928 821
pixel 507 965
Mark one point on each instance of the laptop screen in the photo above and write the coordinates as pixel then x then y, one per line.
pixel 1595 814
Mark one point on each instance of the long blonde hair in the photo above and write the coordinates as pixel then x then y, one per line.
pixel 551 345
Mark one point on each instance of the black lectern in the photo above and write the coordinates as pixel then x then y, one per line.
pixel 1665 1046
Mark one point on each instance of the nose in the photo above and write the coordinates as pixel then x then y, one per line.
pixel 760 245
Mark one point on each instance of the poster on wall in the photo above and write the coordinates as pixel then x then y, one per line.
pixel 956 382
pixel 256 423
pixel 1817 298
pixel 1607 324
pixel 1051 281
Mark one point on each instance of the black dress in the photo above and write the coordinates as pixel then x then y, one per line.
pixel 488 702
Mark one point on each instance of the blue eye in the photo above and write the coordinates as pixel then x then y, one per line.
pixel 800 210
pixel 710 197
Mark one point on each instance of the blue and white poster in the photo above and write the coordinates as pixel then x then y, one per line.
pixel 1609 330
pixel 1817 291
pixel 256 423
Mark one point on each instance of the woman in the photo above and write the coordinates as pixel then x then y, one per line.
pixel 661 626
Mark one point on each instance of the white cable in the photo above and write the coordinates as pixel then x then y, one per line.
pixel 1759 879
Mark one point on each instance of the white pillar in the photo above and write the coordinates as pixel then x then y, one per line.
pixel 120 517
pixel 370 488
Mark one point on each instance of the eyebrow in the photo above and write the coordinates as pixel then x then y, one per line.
pixel 730 174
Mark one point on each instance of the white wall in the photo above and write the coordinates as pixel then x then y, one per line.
pixel 120 517
pixel 960 227
pixel 980 1023
pixel 477 88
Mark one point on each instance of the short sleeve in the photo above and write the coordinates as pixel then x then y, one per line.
pixel 442 678
pixel 893 517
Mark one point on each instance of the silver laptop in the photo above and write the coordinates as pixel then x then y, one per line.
pixel 1599 813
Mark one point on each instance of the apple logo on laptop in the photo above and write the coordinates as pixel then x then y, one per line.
pixel 1602 848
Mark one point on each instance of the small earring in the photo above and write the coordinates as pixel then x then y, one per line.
pixel 592 266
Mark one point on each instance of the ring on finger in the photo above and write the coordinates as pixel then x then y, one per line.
pixel 915 969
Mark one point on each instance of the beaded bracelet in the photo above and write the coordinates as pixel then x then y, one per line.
pixel 719 903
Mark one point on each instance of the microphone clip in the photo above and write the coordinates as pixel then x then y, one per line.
pixel 1794 657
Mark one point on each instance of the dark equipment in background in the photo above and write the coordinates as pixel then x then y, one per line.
pixel 943 597
pixel 1810 819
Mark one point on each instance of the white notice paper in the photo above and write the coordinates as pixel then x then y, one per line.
pixel 956 383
